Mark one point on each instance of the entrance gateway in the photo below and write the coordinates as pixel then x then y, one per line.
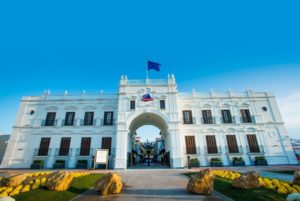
pixel 150 102
pixel 63 131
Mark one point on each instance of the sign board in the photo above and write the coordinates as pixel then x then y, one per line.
pixel 101 157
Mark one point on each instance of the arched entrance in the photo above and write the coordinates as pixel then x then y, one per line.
pixel 142 154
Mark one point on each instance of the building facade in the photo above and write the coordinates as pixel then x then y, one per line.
pixel 3 144
pixel 64 131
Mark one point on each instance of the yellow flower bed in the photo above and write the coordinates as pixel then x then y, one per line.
pixel 227 174
pixel 33 181
pixel 273 184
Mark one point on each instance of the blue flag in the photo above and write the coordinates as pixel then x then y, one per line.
pixel 153 66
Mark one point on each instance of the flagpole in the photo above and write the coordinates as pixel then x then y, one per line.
pixel 147 72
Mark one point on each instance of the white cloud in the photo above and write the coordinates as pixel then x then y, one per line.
pixel 290 110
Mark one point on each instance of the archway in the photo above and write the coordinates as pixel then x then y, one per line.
pixel 154 153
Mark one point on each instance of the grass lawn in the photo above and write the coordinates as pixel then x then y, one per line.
pixel 290 172
pixel 261 194
pixel 79 185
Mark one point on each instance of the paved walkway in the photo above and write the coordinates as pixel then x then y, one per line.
pixel 152 185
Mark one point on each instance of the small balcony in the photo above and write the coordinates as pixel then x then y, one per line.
pixel 63 152
pixel 108 123
pixel 212 150
pixel 211 120
pixel 88 123
pixel 189 121
pixel 234 150
pixel 247 120
pixel 191 150
pixel 42 152
pixel 255 149
pixel 49 123
pixel 85 152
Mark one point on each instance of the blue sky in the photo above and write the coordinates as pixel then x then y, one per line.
pixel 78 45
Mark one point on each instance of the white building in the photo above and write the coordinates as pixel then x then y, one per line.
pixel 65 130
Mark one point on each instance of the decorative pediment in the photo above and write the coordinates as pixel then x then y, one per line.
pixel 251 129
pixel 89 107
pixel 230 130
pixel 71 107
pixel 225 105
pixel 108 107
pixel 245 104
pixel 207 105
pixel 51 108
pixel 211 130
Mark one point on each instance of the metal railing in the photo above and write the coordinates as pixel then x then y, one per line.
pixel 85 152
pixel 231 150
pixel 42 152
pixel 63 152
pixel 191 121
pixel 106 123
pixel 216 150
pixel 49 123
pixel 211 120
pixel 255 149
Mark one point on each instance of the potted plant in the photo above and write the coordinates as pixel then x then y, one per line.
pixel 194 162
pixel 260 160
pixel 238 161
pixel 216 162
pixel 37 164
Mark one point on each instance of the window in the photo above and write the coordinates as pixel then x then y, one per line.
pixel 50 119
pixel 106 144
pixel 253 144
pixel 85 146
pixel 190 145
pixel 64 146
pixel 88 119
pixel 232 144
pixel 108 118
pixel 70 116
pixel 132 105
pixel 162 104
pixel 187 117
pixel 44 146
pixel 211 144
pixel 207 117
pixel 246 117
pixel 226 115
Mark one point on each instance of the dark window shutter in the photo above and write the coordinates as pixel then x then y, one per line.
pixel 232 144
pixel 44 147
pixel 211 144
pixel 64 146
pixel 85 146
pixel 190 145
pixel 106 144
pixel 253 144
pixel 50 119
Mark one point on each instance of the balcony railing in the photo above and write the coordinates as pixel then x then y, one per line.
pixel 63 152
pixel 255 149
pixel 214 150
pixel 189 121
pixel 42 152
pixel 247 120
pixel 234 149
pixel 191 150
pixel 49 123
pixel 211 120
pixel 88 123
pixel 108 123
pixel 84 152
